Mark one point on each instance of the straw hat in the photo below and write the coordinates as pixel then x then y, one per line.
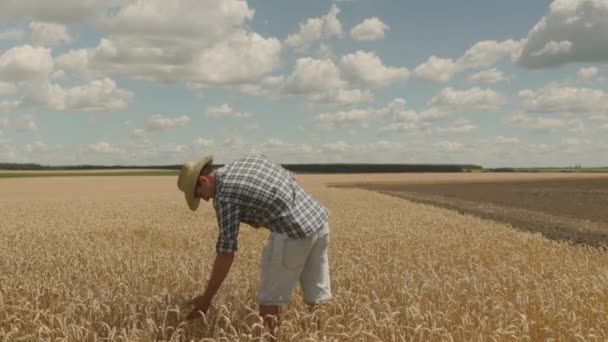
pixel 188 177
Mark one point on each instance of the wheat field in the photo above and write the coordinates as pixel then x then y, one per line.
pixel 115 258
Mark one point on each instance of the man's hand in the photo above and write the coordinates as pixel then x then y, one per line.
pixel 199 303
pixel 221 266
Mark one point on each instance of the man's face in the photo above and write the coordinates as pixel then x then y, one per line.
pixel 204 188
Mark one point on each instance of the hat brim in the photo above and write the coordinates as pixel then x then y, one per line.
pixel 187 179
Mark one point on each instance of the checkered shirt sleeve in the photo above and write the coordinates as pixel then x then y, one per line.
pixel 228 222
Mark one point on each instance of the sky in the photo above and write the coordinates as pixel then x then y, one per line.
pixel 153 82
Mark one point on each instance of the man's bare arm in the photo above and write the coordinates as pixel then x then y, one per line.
pixel 221 267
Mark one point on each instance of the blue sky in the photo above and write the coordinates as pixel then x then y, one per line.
pixel 509 83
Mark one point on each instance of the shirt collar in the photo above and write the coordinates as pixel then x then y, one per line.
pixel 219 177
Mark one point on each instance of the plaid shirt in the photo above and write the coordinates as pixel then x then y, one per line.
pixel 256 191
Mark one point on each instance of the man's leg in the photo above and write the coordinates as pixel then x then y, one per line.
pixel 272 319
pixel 282 262
pixel 315 279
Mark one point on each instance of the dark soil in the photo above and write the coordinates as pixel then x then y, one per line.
pixel 573 210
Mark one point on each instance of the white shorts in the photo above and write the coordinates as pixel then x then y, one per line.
pixel 286 260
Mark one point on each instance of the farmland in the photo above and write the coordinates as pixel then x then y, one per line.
pixel 90 258
pixel 571 209
pixel 85 173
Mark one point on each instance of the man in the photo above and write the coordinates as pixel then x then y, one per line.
pixel 256 191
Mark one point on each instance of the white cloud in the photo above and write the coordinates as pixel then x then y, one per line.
pixel 327 83
pixel 562 99
pixel 77 62
pixel 575 141
pixel 400 127
pixel 103 147
pixel 337 147
pixel 599 117
pixel 95 96
pixel 430 114
pixel 343 96
pixel 506 140
pixel 278 148
pixel 474 99
pixel 267 86
pixel 309 32
pixel 483 54
pixel 273 143
pixel 535 124
pixel 8 105
pixel 62 11
pixel 435 69
pixel 58 75
pixel 49 34
pixel 459 126
pixel 240 58
pixel 7 88
pixel 367 69
pixel 138 133
pixel 225 110
pixel 395 108
pixel 369 29
pixel 487 76
pixel 234 142
pixel 577 147
pixel 182 18
pixel 575 125
pixel 331 25
pixel 585 74
pixel 26 123
pixel 541 149
pixel 253 127
pixel 12 34
pixel 159 122
pixel 313 76
pixel 314 29
pixel 199 42
pixel 143 150
pixel 553 48
pixel 218 111
pixel 341 118
pixel 38 146
pixel 202 142
pixel 404 120
pixel 272 80
pixel 324 82
pixel 383 146
pixel 449 146
pixel 147 152
pixel 487 53
pixel 325 51
pixel 7 149
pixel 172 148
pixel 22 63
pixel 364 116
pixel 573 31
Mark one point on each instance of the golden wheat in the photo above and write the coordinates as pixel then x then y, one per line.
pixel 114 258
